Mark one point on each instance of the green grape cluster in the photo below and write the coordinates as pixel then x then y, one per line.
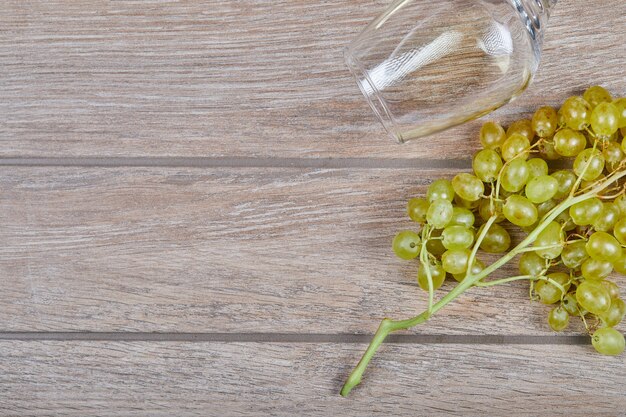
pixel 572 219
pixel 571 259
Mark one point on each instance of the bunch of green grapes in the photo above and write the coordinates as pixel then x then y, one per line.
pixel 569 261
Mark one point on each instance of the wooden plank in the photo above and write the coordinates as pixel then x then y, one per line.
pixel 159 379
pixel 224 250
pixel 260 78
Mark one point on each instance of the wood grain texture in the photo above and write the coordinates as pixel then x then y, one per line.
pixel 255 78
pixel 224 250
pixel 204 379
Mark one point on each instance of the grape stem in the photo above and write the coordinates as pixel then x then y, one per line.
pixel 388 326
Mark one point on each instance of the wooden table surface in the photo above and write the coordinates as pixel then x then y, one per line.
pixel 196 207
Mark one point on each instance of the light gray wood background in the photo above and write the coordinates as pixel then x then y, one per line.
pixel 196 207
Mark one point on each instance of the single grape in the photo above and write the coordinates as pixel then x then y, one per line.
pixel 497 239
pixel 516 145
pixel 620 264
pixel 549 293
pixel 566 180
pixel 612 288
pixel 515 175
pixel 614 315
pixel 607 219
pixel 519 211
pixel 439 213
pixel 434 246
pixel 551 238
pixel 613 155
pixel 536 168
pixel 576 113
pixel 486 209
pixel 586 212
pixel 620 202
pixel 620 104
pixel 619 230
pixel 470 205
pixel 437 274
pixel 455 261
pixel 406 244
pixel 492 135
pixel 603 247
pixel 524 127
pixel 487 164
pixel 596 270
pixel 476 268
pixel 558 319
pixel 604 119
pixel 458 237
pixel 589 164
pixel 544 121
pixel 593 297
pixel 565 220
pixel 541 189
pixel 531 264
pixel 417 209
pixel 468 187
pixel 547 150
pixel 596 94
pixel 574 254
pixel 608 341
pixel 545 207
pixel 462 217
pixel 568 142
pixel 440 190
pixel 570 304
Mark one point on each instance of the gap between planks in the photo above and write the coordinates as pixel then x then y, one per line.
pixel 339 338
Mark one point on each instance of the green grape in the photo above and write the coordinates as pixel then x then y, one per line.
pixel 612 288
pixel 604 119
pixel 565 220
pixel 516 145
pixel 497 239
pixel 487 164
pixel 593 297
pixel 613 155
pixel 614 315
pixel 570 304
pixel 486 210
pixel 455 261
pixel 620 202
pixel 544 121
pixel 619 231
pixel 437 274
pixel 596 94
pixel 620 104
pixel 468 187
pixel 547 150
pixel 537 167
pixel 457 237
pixel 440 190
pixel 417 209
pixel 514 175
pixel 586 212
pixel 541 189
pixel 620 264
pixel 566 180
pixel 576 112
pixel 568 142
pixel 608 341
pixel 553 236
pixel 607 219
pixel 462 217
pixel 596 270
pixel 531 264
pixel 434 246
pixel 603 247
pixel 524 127
pixel 549 293
pixel 476 268
pixel 492 135
pixel 545 207
pixel 406 244
pixel 574 254
pixel 439 213
pixel 558 319
pixel 470 205
pixel 589 164
pixel 519 211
